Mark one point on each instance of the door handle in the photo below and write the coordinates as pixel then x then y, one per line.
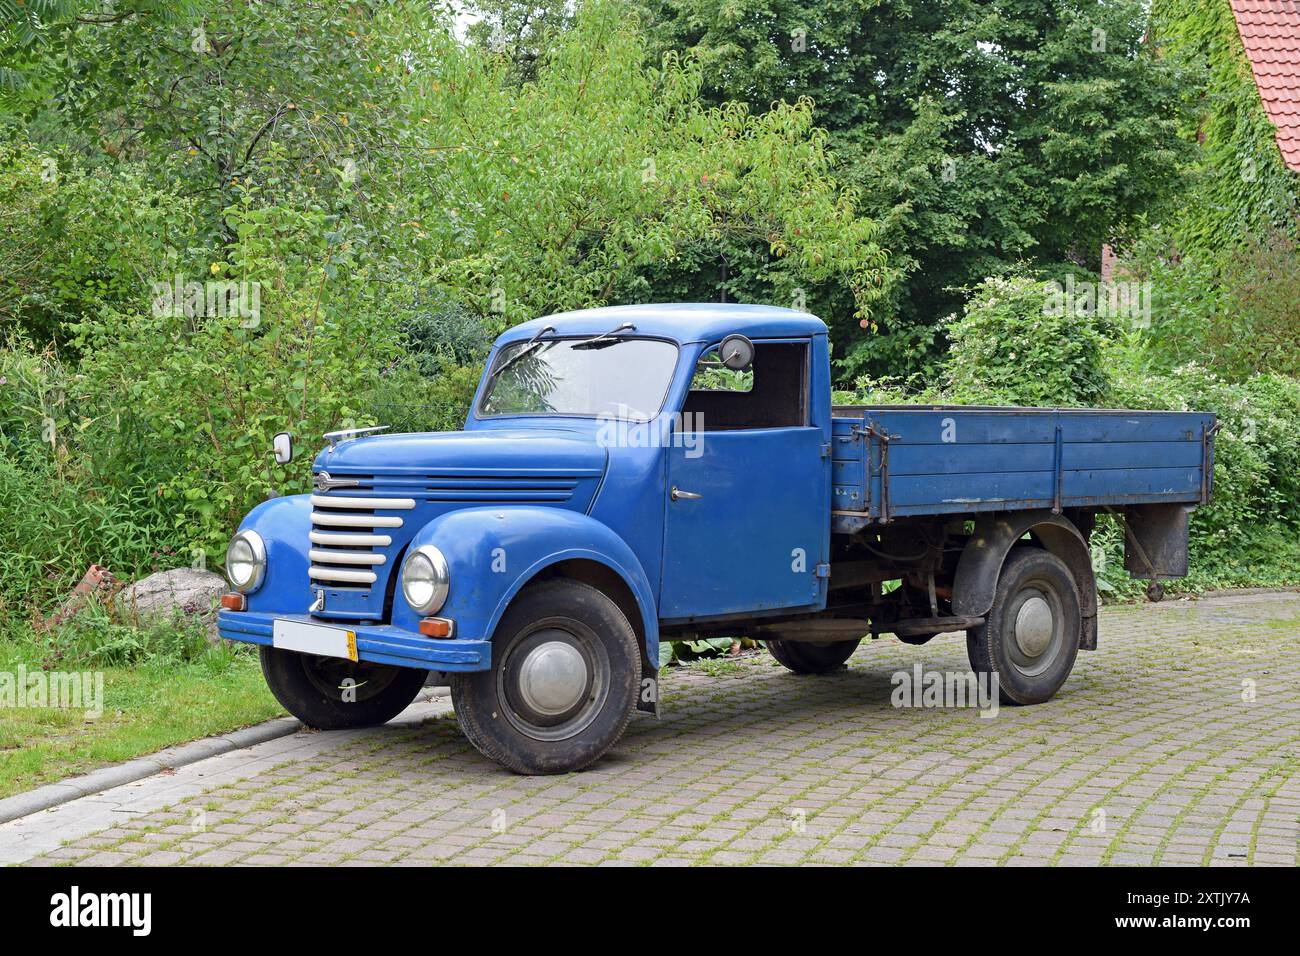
pixel 678 494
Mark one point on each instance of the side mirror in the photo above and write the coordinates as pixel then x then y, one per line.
pixel 283 446
pixel 736 352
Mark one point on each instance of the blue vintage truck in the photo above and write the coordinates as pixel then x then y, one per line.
pixel 639 474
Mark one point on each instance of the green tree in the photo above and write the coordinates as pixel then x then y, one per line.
pixel 980 132
pixel 605 173
pixel 478 202
pixel 35 35
pixel 201 90
pixel 522 30
pixel 74 241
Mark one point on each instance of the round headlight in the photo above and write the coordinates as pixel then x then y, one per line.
pixel 425 579
pixel 246 561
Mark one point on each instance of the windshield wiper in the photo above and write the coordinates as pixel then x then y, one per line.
pixel 524 352
pixel 605 338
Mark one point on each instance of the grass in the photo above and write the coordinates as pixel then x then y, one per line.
pixel 718 666
pixel 150 701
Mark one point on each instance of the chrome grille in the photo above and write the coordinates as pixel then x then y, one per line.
pixel 347 537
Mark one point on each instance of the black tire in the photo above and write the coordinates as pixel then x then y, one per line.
pixel 573 724
pixel 1032 667
pixel 804 658
pixel 314 689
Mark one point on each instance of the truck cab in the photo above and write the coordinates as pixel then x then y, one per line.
pixel 634 474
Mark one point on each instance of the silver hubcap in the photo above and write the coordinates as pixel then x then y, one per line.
pixel 552 678
pixel 1034 626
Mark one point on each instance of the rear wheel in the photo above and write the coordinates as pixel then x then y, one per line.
pixel 332 693
pixel 1030 637
pixel 566 667
pixel 805 658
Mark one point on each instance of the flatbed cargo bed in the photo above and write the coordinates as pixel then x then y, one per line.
pixel 896 461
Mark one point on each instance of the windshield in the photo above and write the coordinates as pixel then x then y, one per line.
pixel 620 378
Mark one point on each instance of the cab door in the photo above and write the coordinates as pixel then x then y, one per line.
pixel 746 525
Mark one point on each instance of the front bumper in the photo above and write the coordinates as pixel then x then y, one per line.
pixel 376 643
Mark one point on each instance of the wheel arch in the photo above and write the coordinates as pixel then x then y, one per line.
pixel 613 585
pixel 982 559
pixel 534 544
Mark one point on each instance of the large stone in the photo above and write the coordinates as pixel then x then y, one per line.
pixel 178 592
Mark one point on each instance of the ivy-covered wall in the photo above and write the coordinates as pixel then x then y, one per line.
pixel 1242 185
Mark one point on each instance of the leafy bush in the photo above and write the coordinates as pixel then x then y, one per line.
pixel 1019 342
pixel 1257 449
pixel 74 241
pixel 438 332
pixel 98 637
pixel 1258 327
pixel 209 390
pixel 1006 352
pixel 59 516
pixel 1186 296
pixel 1235 309
pixel 416 396
pixel 1249 533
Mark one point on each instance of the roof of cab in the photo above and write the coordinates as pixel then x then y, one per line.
pixel 682 322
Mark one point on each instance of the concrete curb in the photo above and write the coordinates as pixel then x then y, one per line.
pixel 51 795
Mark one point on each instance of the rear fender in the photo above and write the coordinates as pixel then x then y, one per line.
pixel 995 535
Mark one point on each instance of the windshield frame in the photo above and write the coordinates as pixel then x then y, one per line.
pixel 490 370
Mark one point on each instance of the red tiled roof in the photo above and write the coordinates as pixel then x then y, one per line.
pixel 1270 32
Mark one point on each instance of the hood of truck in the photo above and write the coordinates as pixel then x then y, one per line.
pixel 514 460
pixel 413 479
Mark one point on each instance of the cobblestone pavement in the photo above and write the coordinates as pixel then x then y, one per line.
pixel 1176 743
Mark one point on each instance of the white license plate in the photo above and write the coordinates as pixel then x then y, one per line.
pixel 314 639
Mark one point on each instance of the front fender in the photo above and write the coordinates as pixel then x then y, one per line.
pixel 283 524
pixel 493 552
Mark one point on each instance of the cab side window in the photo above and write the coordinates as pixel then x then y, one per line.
pixel 771 393
pixel 712 376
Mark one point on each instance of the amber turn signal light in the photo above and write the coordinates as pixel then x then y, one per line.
pixel 435 627
pixel 234 602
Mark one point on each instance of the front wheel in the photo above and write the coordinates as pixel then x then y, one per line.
pixel 1031 635
pixel 331 693
pixel 566 667
pixel 805 658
